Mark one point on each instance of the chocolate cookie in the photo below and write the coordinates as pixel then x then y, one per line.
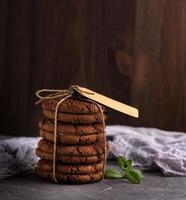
pixel 64 178
pixel 45 165
pixel 70 159
pixel 71 105
pixel 72 139
pixel 75 118
pixel 77 150
pixel 78 129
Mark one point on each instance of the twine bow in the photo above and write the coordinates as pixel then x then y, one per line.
pixel 51 94
pixel 65 94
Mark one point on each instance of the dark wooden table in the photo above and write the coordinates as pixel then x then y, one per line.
pixel 153 187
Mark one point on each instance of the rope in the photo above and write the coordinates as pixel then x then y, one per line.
pixel 55 137
pixel 52 94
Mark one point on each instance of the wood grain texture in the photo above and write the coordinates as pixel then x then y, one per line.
pixel 153 186
pixel 133 51
pixel 160 64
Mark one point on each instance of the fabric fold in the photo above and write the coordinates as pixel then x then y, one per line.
pixel 148 148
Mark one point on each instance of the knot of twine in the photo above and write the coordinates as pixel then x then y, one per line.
pixel 65 94
pixel 45 94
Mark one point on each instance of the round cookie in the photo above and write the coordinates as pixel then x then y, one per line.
pixel 45 165
pixel 75 118
pixel 72 139
pixel 64 178
pixel 78 129
pixel 71 105
pixel 70 159
pixel 77 150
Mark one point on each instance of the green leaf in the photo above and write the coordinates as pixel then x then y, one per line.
pixel 139 173
pixel 129 163
pixel 133 176
pixel 130 173
pixel 122 163
pixel 112 174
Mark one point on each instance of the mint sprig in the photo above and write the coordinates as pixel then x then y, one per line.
pixel 128 172
pixel 112 174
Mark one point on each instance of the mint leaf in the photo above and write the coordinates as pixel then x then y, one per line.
pixel 112 174
pixel 122 163
pixel 130 173
pixel 139 173
pixel 133 176
pixel 129 163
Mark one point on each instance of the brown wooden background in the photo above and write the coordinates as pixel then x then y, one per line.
pixel 131 50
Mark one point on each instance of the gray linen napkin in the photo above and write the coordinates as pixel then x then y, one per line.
pixel 148 148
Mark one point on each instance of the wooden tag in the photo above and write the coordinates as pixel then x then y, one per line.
pixel 116 105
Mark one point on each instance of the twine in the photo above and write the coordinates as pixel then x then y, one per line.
pixel 55 137
pixel 58 93
pixel 65 94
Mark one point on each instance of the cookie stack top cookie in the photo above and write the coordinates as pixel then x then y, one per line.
pixel 73 111
pixel 78 151
pixel 79 105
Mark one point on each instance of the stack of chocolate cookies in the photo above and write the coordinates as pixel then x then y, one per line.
pixel 80 150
